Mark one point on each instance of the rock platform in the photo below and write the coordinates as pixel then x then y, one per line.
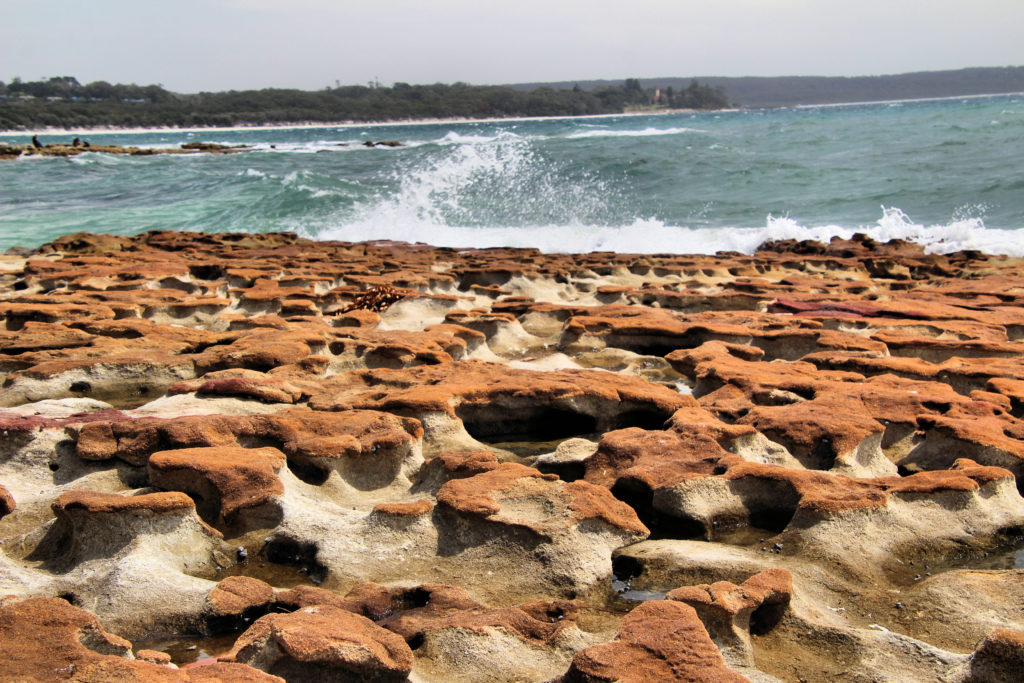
pixel 254 457
pixel 9 152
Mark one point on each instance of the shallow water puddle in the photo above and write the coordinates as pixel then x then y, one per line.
pixel 276 574
pixel 635 594
pixel 524 447
pixel 188 649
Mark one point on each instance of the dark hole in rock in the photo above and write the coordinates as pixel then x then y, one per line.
pixel 307 471
pixel 81 387
pixel 207 272
pixel 20 285
pixel 235 623
pixel 639 496
pixel 766 617
pixel 656 347
pixel 484 278
pixel 806 393
pixel 143 390
pixel 644 419
pixel 257 441
pixel 530 423
pixel 297 554
pixel 207 509
pixel 416 642
pixel 412 598
pixel 939 407
pixel 70 597
pixel 567 471
pixel 772 519
pixel 626 568
pixel 1016 407
pixel 821 457
pixel 54 466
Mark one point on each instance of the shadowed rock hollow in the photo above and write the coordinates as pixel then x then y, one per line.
pixel 256 456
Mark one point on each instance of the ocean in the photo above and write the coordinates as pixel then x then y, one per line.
pixel 947 173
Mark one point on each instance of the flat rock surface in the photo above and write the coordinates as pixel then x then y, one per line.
pixel 256 456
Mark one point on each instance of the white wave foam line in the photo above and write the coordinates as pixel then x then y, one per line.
pixel 646 132
pixel 318 146
pixel 294 180
pixel 649 236
pixel 94 158
pixel 453 138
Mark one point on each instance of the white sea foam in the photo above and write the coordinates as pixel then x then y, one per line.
pixel 94 159
pixel 491 191
pixel 453 138
pixel 644 133
pixel 650 236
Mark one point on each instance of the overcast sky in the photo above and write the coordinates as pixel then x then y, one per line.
pixel 193 45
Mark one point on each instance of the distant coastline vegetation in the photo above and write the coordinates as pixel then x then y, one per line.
pixel 63 102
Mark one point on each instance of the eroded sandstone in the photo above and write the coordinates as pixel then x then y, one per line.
pixel 384 461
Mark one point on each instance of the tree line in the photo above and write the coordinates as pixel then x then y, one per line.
pixel 63 102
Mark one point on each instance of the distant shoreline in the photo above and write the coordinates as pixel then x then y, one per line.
pixel 441 121
pixel 342 124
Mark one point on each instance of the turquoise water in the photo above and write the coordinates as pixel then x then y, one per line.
pixel 949 173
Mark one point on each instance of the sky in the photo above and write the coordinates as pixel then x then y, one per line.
pixel 196 45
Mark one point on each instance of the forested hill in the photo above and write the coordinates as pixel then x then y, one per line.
pixel 63 102
pixel 783 91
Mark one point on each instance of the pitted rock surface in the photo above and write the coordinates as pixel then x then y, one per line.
pixel 329 459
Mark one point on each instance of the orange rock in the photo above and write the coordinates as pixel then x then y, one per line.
pixel 657 641
pixel 265 388
pixel 482 495
pixel 226 480
pixel 103 503
pixel 298 432
pixel 7 504
pixel 46 639
pixel 323 642
pixel 436 607
pixel 410 509
pixel 771 586
pixel 370 600
pixel 238 594
pixel 999 657
pixel 482 392
pixel 731 613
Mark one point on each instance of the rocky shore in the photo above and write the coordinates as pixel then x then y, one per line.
pixel 8 152
pixel 253 457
